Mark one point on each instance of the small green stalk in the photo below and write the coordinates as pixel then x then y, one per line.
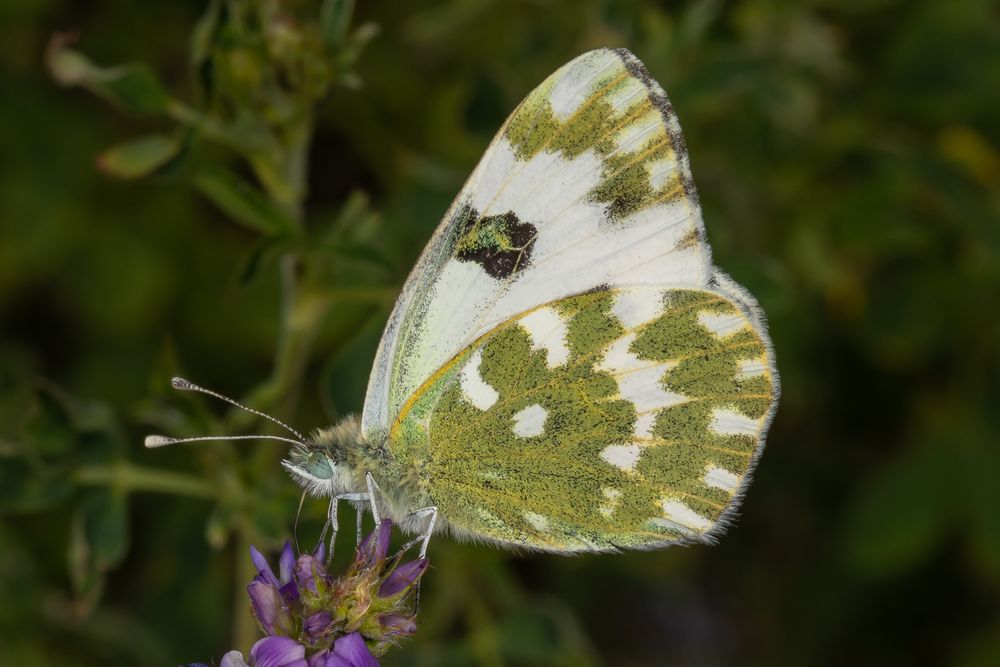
pixel 129 477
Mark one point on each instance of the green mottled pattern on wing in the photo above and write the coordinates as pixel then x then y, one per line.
pixel 621 121
pixel 584 480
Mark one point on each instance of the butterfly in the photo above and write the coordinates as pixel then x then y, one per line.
pixel 565 369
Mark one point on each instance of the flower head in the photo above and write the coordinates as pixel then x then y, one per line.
pixel 313 619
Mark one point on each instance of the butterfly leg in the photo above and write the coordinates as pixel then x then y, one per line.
pixel 372 488
pixel 425 537
pixel 369 497
pixel 331 516
pixel 357 538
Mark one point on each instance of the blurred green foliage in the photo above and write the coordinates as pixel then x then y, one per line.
pixel 279 188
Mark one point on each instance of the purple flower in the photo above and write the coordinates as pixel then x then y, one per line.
pixel 269 607
pixel 402 578
pixel 278 652
pixel 398 625
pixel 308 567
pixel 268 652
pixel 315 625
pixel 375 546
pixel 348 651
pixel 274 598
pixel 313 619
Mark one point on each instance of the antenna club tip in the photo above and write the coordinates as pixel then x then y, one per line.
pixel 180 383
pixel 158 440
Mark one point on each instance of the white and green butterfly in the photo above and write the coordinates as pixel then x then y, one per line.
pixel 565 369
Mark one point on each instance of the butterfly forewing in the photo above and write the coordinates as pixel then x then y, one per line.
pixel 586 184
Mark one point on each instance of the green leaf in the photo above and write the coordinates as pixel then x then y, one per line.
pixel 99 539
pixel 29 488
pixel 243 202
pixel 202 40
pixel 257 257
pixel 334 19
pixel 140 157
pixel 132 87
pixel 902 514
pixel 361 251
pixel 983 499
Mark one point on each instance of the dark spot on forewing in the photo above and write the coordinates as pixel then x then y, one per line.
pixel 501 244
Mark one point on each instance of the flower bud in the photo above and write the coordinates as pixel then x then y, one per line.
pixel 402 578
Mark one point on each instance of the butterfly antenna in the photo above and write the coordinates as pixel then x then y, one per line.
pixel 187 385
pixel 153 441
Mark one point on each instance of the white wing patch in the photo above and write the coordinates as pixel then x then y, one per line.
pixel 644 424
pixel 635 136
pixel 722 326
pixel 474 388
pixel 612 497
pixel 569 90
pixel 660 171
pixel 530 421
pixel 730 422
pixel 626 95
pixel 548 332
pixel 538 521
pixel 635 307
pixel 720 478
pixel 622 456
pixel 751 367
pixel 678 513
pixel 639 380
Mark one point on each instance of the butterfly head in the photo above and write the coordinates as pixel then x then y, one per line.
pixel 325 463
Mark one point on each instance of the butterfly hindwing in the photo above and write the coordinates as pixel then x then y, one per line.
pixel 587 184
pixel 618 418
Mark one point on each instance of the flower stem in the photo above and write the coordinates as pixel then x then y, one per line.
pixel 244 625
pixel 130 477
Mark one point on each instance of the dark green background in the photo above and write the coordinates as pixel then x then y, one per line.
pixel 846 154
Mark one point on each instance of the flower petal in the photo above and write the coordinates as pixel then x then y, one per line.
pixel 398 625
pixel 233 659
pixel 320 552
pixel 286 564
pixel 306 569
pixel 375 546
pixel 316 624
pixel 278 652
pixel 289 592
pixel 402 577
pixel 263 568
pixel 319 659
pixel 334 660
pixel 352 647
pixel 269 608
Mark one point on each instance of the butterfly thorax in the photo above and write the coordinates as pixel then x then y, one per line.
pixel 335 461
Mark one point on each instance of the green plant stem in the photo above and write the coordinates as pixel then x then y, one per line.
pixel 244 626
pixel 130 477
pixel 284 177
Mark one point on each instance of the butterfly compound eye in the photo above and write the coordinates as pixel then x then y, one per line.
pixel 318 465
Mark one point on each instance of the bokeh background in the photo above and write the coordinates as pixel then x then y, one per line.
pixel 847 154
